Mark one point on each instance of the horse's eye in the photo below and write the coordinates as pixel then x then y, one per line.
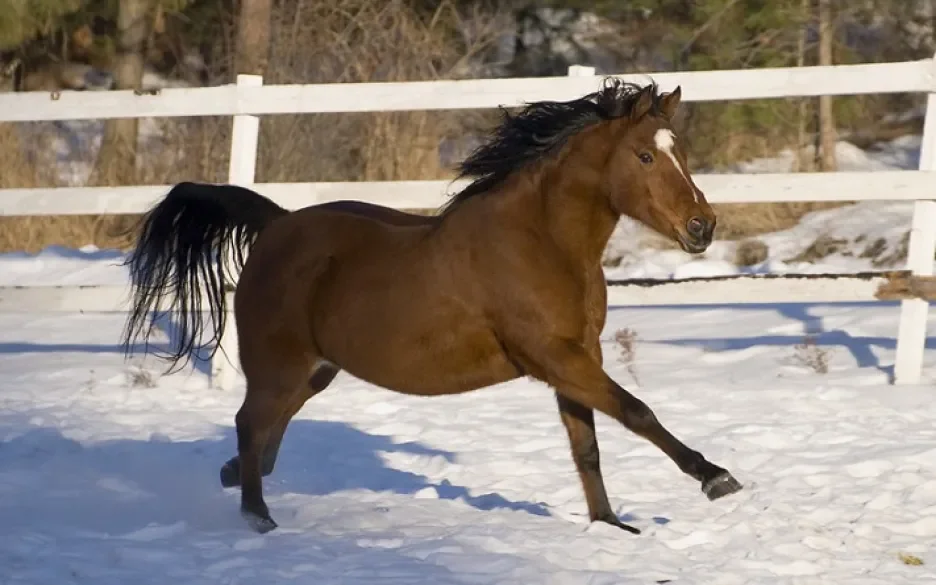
pixel 645 157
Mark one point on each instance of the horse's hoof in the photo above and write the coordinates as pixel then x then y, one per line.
pixel 720 486
pixel 258 523
pixel 230 475
pixel 614 521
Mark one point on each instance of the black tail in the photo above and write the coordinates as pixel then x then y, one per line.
pixel 184 244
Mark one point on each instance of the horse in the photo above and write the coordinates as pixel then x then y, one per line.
pixel 504 281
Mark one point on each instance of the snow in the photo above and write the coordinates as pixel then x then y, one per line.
pixel 109 471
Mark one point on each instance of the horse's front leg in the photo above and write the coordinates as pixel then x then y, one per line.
pixel 579 422
pixel 566 366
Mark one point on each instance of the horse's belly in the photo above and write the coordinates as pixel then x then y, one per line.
pixel 429 353
pixel 442 370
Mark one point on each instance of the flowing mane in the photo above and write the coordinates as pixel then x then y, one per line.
pixel 541 129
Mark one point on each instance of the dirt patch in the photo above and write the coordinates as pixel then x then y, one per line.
pixel 737 221
pixel 874 249
pixel 823 246
pixel 898 254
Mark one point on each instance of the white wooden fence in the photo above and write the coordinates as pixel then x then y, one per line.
pixel 249 98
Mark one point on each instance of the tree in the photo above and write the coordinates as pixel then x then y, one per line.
pixel 117 158
pixel 800 162
pixel 253 36
pixel 826 117
pixel 21 21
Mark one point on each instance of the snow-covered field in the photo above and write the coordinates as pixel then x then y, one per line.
pixel 108 476
pixel 109 472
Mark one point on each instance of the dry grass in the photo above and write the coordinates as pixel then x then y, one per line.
pixel 737 221
pixel 626 339
pixel 33 233
pixel 809 354
pixel 909 559
pixel 188 149
pixel 138 377
pixel 366 41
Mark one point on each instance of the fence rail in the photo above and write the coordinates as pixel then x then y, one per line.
pixel 741 289
pixel 227 100
pixel 718 188
pixel 249 98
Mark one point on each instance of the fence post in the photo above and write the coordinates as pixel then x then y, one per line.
pixel 911 334
pixel 581 71
pixel 241 171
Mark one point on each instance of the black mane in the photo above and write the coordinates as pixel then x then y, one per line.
pixel 540 129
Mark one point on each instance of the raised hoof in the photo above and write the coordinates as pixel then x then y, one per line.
pixel 230 475
pixel 258 523
pixel 614 521
pixel 721 486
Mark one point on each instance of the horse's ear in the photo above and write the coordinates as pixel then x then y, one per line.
pixel 643 104
pixel 669 102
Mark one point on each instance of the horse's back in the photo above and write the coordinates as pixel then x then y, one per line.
pixel 376 212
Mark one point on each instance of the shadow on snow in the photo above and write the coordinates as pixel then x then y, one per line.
pixel 861 347
pixel 120 486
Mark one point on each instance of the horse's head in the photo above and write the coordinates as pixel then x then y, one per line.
pixel 647 177
pixel 623 135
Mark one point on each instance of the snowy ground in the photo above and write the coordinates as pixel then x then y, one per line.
pixel 108 476
pixel 108 472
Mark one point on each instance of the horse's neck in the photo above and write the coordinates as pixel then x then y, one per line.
pixel 560 200
pixel 579 218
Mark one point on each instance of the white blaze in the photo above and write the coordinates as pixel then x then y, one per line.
pixel 665 141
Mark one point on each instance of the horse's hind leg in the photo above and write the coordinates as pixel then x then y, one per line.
pixel 262 407
pixel 320 379
pixel 271 391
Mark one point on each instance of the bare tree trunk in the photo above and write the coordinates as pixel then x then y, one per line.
pixel 116 161
pixel 253 36
pixel 930 11
pixel 801 161
pixel 826 118
pixel 252 50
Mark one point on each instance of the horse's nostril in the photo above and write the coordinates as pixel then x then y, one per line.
pixel 696 227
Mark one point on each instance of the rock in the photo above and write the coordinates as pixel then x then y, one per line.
pixel 750 252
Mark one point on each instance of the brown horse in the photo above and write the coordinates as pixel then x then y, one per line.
pixel 506 281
